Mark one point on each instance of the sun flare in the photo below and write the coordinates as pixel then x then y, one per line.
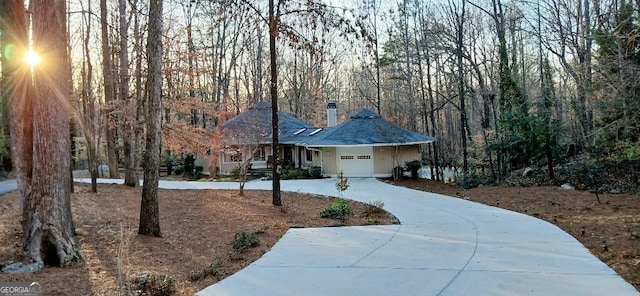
pixel 32 58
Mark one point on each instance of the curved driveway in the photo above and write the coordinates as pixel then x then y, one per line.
pixel 444 246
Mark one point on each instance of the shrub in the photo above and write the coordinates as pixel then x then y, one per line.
pixel 155 285
pixel 342 183
pixel 189 165
pixel 292 174
pixel 413 167
pixel 198 171
pixel 375 207
pixel 202 273
pixel 178 170
pixel 374 211
pixel 235 173
pixel 339 209
pixel 243 239
pixel 315 172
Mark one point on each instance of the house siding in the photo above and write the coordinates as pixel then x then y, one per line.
pixel 225 167
pixel 329 162
pixel 384 158
pixel 204 161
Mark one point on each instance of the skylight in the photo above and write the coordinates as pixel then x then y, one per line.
pixel 315 132
pixel 300 131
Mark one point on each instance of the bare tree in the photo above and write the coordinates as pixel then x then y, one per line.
pixel 109 91
pixel 6 43
pixel 244 143
pixel 128 104
pixel 149 207
pixel 460 18
pixel 274 19
pixel 88 112
pixel 571 24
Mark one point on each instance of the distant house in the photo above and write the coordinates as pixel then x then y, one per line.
pixel 365 145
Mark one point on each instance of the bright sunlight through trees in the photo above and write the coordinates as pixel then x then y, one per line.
pixel 32 58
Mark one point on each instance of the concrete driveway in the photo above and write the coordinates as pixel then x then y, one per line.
pixel 445 246
pixel 8 186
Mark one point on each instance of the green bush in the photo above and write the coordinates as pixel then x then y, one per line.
pixel 189 165
pixel 178 170
pixel 339 209
pixel 292 174
pixel 198 170
pixel 413 167
pixel 235 172
pixel 155 285
pixel 315 172
pixel 202 273
pixel 243 239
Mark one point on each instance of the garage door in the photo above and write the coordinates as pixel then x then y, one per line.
pixel 355 161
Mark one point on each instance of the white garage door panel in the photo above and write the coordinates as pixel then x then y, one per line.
pixel 355 161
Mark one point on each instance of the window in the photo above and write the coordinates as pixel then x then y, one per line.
pixel 364 156
pixel 309 154
pixel 315 132
pixel 346 157
pixel 300 131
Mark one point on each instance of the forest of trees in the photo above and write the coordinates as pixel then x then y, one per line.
pixel 501 84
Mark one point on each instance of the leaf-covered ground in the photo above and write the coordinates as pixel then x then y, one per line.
pixel 198 227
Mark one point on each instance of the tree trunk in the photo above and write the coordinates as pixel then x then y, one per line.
pixel 130 168
pixel 138 101
pixel 88 107
pixel 19 82
pixel 47 222
pixel 149 207
pixel 461 95
pixel 273 32
pixel 5 41
pixel 107 78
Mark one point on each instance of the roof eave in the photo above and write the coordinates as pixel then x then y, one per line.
pixel 371 144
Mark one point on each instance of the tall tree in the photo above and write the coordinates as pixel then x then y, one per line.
pixel 369 20
pixel 129 118
pixel 109 91
pixel 149 207
pixel 460 18
pixel 89 123
pixel 274 19
pixel 571 25
pixel 41 118
pixel 619 60
pixel 7 49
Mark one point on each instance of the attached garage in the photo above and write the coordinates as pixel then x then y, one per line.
pixel 355 161
pixel 365 145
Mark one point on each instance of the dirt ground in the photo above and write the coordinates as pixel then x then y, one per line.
pixel 198 227
pixel 615 220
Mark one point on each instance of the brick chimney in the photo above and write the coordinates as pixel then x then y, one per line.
pixel 332 114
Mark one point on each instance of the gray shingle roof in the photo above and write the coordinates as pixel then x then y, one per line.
pixel 366 128
pixel 256 121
